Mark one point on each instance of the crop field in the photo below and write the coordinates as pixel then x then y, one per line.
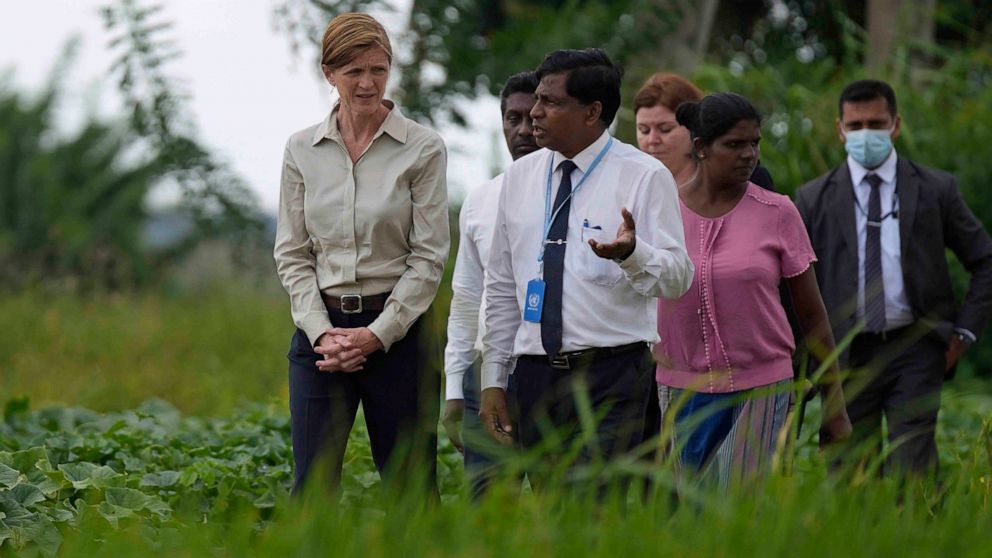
pixel 149 425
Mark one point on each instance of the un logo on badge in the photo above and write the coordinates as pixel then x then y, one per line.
pixel 533 300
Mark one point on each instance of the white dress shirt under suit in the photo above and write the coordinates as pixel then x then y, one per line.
pixel 898 312
pixel 605 304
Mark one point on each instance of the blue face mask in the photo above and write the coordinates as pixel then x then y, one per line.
pixel 869 148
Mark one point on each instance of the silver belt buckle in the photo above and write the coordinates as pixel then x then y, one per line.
pixel 351 304
pixel 560 362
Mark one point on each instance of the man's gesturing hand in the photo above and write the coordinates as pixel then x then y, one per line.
pixel 623 246
pixel 495 415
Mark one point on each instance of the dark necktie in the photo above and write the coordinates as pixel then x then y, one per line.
pixel 874 288
pixel 554 264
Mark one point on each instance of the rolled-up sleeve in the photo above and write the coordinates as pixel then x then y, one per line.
pixel 293 253
pixel 502 311
pixel 429 242
pixel 660 265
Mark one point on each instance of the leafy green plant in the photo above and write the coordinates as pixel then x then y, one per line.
pixel 152 481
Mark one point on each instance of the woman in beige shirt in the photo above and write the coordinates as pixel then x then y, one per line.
pixel 360 245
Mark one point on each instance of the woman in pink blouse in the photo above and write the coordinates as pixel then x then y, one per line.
pixel 724 360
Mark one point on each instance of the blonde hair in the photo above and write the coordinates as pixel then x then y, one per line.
pixel 349 35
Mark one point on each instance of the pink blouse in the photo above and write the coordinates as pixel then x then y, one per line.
pixel 729 332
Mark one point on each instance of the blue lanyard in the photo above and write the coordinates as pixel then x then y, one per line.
pixel 550 217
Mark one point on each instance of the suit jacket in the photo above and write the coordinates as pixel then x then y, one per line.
pixel 932 216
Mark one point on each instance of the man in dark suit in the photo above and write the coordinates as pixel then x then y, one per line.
pixel 879 225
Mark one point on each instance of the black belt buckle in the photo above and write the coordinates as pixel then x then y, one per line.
pixel 560 362
pixel 351 304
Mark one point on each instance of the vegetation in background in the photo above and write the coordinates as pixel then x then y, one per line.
pixel 70 207
pixel 463 49
pixel 150 481
pixel 214 195
pixel 204 352
pixel 73 208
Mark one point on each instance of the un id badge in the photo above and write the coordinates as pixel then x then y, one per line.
pixel 534 301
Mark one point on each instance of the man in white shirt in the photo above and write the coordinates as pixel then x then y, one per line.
pixel 571 285
pixel 476 222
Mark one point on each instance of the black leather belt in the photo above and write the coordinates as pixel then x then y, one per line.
pixel 573 359
pixel 355 304
pixel 882 336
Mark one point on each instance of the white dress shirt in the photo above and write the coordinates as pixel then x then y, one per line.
pixel 465 322
pixel 898 312
pixel 604 304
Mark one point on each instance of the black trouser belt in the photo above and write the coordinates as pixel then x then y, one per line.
pixel 573 359
pixel 355 304
pixel 882 336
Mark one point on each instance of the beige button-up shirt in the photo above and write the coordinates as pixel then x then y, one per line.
pixel 370 227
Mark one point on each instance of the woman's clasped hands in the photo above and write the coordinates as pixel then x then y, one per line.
pixel 345 349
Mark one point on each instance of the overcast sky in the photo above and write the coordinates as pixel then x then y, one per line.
pixel 249 91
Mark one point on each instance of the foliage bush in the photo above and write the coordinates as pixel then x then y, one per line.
pixel 150 481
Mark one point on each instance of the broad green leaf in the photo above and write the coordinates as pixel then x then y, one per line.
pixel 9 477
pixel 161 479
pixel 128 498
pixel 135 500
pixel 41 533
pixel 88 475
pixel 5 532
pixel 54 481
pixel 60 515
pixel 13 513
pixel 31 462
pixel 188 477
pixel 27 494
pixel 113 513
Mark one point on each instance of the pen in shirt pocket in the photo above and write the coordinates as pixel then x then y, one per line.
pixel 585 227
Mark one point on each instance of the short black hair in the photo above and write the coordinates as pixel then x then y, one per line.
pixel 715 115
pixel 592 77
pixel 524 82
pixel 867 90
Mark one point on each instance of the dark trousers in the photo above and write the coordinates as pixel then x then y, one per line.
pixel 898 377
pixel 652 417
pixel 399 396
pixel 482 454
pixel 616 387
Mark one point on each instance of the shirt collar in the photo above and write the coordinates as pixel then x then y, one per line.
pixel 585 157
pixel 395 125
pixel 887 170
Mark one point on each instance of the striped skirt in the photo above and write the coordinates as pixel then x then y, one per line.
pixel 725 437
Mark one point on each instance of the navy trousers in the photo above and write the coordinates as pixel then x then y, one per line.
pixel 399 397
pixel 617 387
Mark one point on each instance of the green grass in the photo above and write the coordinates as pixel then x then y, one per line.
pixel 211 478
pixel 150 482
pixel 205 353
